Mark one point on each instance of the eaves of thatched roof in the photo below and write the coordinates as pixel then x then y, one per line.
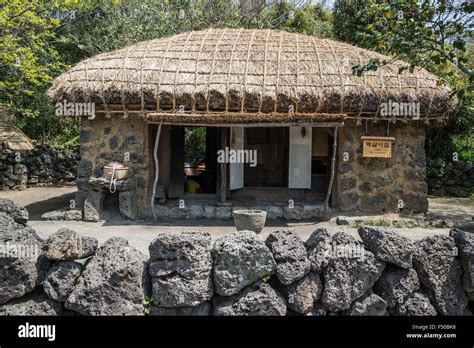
pixel 249 72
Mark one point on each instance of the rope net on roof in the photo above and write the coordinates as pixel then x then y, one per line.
pixel 247 71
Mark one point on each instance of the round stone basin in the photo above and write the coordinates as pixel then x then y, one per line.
pixel 250 220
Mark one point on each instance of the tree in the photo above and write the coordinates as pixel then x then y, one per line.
pixel 349 17
pixel 29 61
pixel 433 34
pixel 425 33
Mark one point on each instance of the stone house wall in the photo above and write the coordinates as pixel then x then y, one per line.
pixel 109 139
pixel 376 185
pixel 370 185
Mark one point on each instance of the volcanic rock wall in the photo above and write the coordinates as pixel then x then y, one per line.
pixel 450 179
pixel 42 166
pixel 383 273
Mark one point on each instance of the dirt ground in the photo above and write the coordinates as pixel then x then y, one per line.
pixel 140 233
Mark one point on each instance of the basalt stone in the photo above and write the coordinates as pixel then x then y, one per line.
pixel 22 264
pixel 348 184
pixel 64 214
pixel 294 213
pixel 181 269
pixel 387 245
pixel 319 248
pixel 349 199
pixel 8 224
pixel 302 294
pixel 127 204
pixel 60 279
pixel 174 290
pixel 318 310
pixel 258 299
pixel 440 273
pixel 65 244
pixel 195 212
pixel 273 212
pixel 204 309
pixel 396 284
pixel 366 187
pixel 93 206
pixel 290 254
pixel 17 212
pixel 369 304
pixel 35 304
pixel 346 278
pixel 240 259
pixel 344 168
pixel 417 304
pixel 82 184
pixel 465 243
pixel 89 246
pixel 113 142
pixel 114 282
pixel 84 168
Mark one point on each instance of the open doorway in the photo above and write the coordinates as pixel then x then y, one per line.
pixel 200 169
pixel 322 140
pixel 271 145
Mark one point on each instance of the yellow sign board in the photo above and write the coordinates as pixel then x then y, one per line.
pixel 377 146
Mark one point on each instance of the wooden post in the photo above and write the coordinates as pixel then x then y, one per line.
pixel 157 170
pixel 333 165
pixel 223 188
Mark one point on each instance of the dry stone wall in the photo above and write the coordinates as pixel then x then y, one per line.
pixel 450 179
pixel 382 273
pixel 42 166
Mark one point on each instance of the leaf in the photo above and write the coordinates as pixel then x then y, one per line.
pixel 388 14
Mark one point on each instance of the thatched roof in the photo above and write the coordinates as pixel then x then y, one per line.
pixel 14 139
pixel 246 71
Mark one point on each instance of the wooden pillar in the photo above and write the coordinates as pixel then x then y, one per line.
pixel 157 174
pixel 333 169
pixel 223 176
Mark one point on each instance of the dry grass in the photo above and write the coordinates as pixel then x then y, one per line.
pixel 247 71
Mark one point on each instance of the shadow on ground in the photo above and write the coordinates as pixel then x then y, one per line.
pixel 37 209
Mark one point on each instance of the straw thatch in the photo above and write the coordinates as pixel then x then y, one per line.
pixel 246 71
pixel 14 139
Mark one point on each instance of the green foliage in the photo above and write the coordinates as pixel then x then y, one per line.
pixel 426 33
pixel 435 35
pixel 147 302
pixel 310 19
pixel 40 39
pixel 28 60
pixel 349 16
pixel 194 143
